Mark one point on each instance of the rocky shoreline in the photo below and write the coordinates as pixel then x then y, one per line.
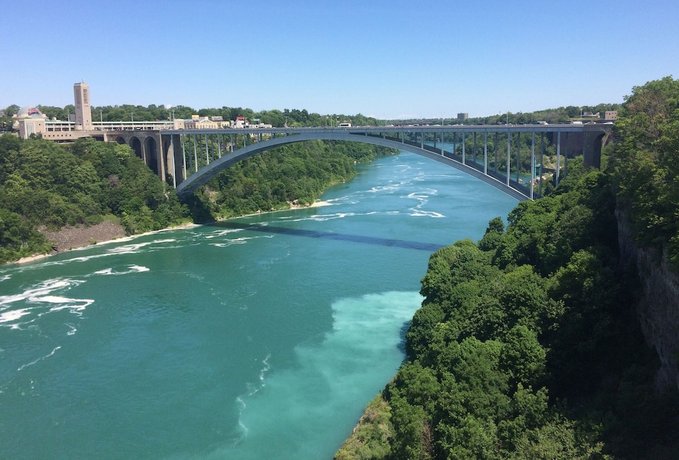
pixel 74 237
pixel 68 237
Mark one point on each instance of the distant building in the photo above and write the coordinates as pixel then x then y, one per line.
pixel 30 126
pixel 611 115
pixel 240 122
pixel 29 120
pixel 200 123
pixel 462 116
pixel 83 112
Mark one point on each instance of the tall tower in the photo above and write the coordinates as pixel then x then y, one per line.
pixel 83 113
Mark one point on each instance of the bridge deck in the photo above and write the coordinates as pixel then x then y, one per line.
pixel 533 128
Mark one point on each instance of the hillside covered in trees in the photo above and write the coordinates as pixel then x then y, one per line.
pixel 46 186
pixel 294 174
pixel 528 343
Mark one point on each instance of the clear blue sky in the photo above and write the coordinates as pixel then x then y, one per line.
pixel 389 59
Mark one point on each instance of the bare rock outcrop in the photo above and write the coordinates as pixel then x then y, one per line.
pixel 658 305
pixel 79 236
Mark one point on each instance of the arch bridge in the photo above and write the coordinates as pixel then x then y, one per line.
pixel 517 159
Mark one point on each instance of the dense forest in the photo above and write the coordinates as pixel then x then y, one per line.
pixel 645 165
pixel 295 174
pixel 527 344
pixel 46 186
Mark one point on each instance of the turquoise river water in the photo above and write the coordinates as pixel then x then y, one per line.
pixel 257 338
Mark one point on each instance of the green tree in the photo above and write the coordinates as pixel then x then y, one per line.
pixel 522 357
pixel 493 235
pixel 645 166
pixel 18 238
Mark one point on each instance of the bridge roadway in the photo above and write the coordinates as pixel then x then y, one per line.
pixel 428 141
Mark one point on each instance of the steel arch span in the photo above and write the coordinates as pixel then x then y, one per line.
pixel 205 174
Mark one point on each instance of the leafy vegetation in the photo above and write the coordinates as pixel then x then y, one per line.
pixel 46 185
pixel 527 344
pixel 372 435
pixel 295 174
pixel 645 163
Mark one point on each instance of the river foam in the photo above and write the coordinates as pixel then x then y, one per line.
pixel 20 310
pixel 130 269
pixel 37 360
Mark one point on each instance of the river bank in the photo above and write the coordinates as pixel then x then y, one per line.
pixel 78 237
pixel 71 238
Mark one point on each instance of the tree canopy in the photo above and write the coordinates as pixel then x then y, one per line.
pixel 44 185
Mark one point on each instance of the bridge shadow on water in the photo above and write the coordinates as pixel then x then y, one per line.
pixel 388 242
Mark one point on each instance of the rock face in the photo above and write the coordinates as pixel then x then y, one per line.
pixel 76 237
pixel 658 305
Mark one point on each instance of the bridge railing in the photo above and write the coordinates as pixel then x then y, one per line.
pixel 515 172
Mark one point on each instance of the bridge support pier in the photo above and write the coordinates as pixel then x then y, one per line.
pixel 485 152
pixel 184 175
pixel 174 147
pixel 518 158
pixel 195 153
pixel 592 143
pixel 509 156
pixel 464 161
pixel 542 161
pixel 558 157
pixel 532 165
